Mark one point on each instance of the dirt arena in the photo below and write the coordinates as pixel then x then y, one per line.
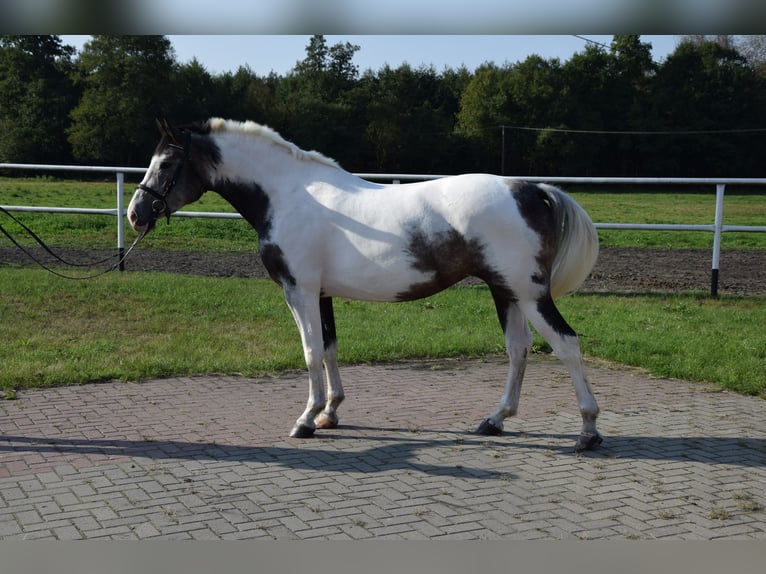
pixel 741 272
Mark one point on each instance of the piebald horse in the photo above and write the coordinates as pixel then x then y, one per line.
pixel 324 232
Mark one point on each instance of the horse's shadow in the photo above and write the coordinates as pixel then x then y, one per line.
pixel 399 453
pixel 400 450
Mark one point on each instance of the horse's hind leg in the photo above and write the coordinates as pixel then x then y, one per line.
pixel 518 340
pixel 328 418
pixel 564 341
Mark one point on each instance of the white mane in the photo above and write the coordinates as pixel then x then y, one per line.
pixel 220 125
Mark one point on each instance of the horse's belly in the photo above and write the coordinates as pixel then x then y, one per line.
pixel 372 284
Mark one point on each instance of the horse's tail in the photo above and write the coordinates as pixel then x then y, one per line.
pixel 576 243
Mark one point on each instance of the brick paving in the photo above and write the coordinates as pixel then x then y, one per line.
pixel 209 458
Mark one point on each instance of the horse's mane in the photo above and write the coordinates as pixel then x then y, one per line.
pixel 220 125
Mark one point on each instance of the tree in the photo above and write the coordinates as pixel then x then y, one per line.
pixel 586 108
pixel 753 48
pixel 314 101
pixel 328 72
pixel 502 107
pixel 194 94
pixel 705 87
pixel 315 62
pixel 630 72
pixel 534 89
pixel 36 95
pixel 484 107
pixel 411 119
pixel 126 82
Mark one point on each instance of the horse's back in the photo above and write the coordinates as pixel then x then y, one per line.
pixel 397 242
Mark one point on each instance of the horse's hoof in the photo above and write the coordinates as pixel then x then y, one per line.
pixel 302 431
pixel 486 428
pixel 588 441
pixel 326 421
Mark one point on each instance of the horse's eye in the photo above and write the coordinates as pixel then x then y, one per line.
pixel 165 165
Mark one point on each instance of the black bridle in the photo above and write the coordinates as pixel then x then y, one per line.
pixel 160 204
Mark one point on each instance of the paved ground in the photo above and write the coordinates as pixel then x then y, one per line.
pixel 208 458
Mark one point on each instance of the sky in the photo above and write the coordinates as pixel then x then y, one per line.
pixel 279 53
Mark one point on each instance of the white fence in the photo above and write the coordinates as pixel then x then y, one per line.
pixel 717 227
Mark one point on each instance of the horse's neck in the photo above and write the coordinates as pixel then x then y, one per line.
pixel 272 167
pixel 262 179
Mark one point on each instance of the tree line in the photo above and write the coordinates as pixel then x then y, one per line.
pixel 606 111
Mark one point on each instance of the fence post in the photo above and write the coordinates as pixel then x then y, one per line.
pixel 120 220
pixel 718 228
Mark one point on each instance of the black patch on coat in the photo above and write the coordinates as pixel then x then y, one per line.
pixel 251 201
pixel 328 321
pixel 449 257
pixel 536 209
pixel 203 149
pixel 503 298
pixel 275 263
pixel 547 308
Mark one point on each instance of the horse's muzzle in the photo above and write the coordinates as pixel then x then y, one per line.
pixel 139 223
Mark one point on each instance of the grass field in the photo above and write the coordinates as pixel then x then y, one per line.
pixel 137 325
pixel 132 326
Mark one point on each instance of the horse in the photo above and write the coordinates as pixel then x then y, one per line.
pixel 324 232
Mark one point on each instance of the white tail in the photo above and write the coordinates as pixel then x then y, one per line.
pixel 577 243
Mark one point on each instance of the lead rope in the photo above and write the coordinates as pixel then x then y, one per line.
pixel 61 259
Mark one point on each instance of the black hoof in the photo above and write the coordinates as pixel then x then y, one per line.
pixel 302 431
pixel 588 442
pixel 486 428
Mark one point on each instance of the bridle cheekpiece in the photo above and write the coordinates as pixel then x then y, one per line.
pixel 160 204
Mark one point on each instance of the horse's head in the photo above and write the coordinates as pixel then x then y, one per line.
pixel 171 181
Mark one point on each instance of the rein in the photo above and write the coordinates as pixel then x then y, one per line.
pixel 56 256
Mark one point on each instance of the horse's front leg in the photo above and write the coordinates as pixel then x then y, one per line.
pixel 328 418
pixel 304 305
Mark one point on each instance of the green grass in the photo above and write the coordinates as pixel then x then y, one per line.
pixel 135 325
pixel 97 231
pixel 686 336
pixel 675 208
pixel 635 206
pixel 132 326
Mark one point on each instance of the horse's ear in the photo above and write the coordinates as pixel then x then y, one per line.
pixel 167 130
pixel 160 125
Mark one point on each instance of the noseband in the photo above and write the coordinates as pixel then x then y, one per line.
pixel 160 204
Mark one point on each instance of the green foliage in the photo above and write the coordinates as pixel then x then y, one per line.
pixel 125 85
pixel 596 114
pixel 36 95
pixel 733 97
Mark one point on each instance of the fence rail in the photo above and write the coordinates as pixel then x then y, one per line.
pixel 717 227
